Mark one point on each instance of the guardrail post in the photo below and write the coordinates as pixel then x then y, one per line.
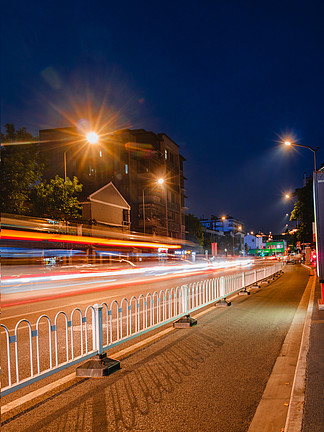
pixel 256 282
pixel 185 321
pixel 223 302
pixel 243 290
pixel 184 295
pixel 98 328
pixel 100 365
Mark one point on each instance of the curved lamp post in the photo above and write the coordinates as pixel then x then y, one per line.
pixel 160 181
pixel 314 150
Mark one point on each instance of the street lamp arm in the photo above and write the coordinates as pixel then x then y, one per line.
pixel 314 150
pixel 308 147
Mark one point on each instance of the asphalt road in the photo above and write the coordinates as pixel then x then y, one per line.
pixel 207 378
pixel 152 280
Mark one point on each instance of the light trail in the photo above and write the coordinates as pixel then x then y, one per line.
pixel 99 279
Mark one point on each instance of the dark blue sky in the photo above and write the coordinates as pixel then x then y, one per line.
pixel 224 79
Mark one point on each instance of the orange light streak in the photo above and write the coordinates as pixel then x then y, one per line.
pixel 64 238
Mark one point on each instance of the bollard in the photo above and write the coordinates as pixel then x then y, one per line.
pixel 100 365
pixel 185 321
pixel 223 302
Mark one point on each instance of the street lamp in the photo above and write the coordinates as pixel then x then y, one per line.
pixel 160 181
pixel 91 137
pixel 234 234
pixel 314 150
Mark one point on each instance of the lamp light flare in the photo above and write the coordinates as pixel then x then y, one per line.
pixel 92 137
pixel 160 181
pixel 287 143
pixel 287 196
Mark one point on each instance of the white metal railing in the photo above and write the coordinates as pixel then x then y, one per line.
pixel 66 341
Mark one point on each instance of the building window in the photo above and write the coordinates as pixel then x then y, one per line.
pixel 166 154
pixel 100 153
pixel 126 168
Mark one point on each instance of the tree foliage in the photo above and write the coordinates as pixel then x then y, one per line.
pixel 303 212
pixel 57 198
pixel 194 229
pixel 22 189
pixel 21 169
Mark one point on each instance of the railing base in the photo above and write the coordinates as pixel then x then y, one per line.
pixel 244 292
pixel 185 322
pixel 97 367
pixel 223 303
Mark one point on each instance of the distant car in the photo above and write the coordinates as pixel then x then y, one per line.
pixel 291 259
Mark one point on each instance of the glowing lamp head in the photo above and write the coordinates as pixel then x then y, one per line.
pixel 223 218
pixel 160 181
pixel 287 143
pixel 92 138
pixel 287 196
pixel 240 228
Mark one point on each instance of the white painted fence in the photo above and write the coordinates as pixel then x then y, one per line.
pixel 66 341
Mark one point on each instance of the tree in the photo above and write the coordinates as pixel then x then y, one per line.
pixel 57 199
pixel 194 230
pixel 21 169
pixel 22 189
pixel 303 212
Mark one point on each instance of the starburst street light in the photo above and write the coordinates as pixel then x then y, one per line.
pixel 314 150
pixel 92 137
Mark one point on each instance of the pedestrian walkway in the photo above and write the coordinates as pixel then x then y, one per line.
pixel 313 418
pixel 211 377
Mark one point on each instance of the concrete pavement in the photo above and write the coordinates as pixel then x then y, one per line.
pixel 212 377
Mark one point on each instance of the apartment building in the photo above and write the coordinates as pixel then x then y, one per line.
pixel 134 160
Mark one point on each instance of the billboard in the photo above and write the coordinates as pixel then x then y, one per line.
pixel 318 187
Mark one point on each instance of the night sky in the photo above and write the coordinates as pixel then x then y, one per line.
pixel 224 79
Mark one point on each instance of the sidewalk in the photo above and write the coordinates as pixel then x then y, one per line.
pixel 313 418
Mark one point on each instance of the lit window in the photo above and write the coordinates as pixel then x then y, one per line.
pixel 166 154
pixel 126 168
pixel 100 153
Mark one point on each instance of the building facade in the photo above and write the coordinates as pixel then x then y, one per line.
pixel 255 241
pixel 107 207
pixel 223 224
pixel 230 233
pixel 133 160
